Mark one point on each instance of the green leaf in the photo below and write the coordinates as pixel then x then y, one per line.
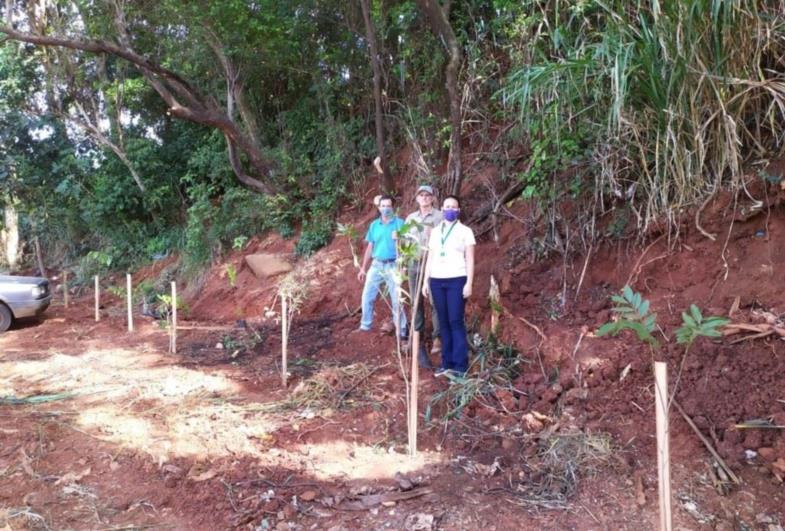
pixel 696 313
pixel 619 300
pixel 688 321
pixel 627 292
pixel 716 322
pixel 608 328
pixel 644 308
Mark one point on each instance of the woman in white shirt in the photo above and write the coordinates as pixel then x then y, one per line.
pixel 449 273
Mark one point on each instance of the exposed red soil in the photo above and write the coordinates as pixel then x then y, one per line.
pixel 155 439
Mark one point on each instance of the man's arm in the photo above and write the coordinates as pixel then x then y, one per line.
pixel 366 262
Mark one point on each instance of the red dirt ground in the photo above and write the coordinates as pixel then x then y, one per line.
pixel 199 440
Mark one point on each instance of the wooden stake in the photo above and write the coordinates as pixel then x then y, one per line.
pixel 65 289
pixel 663 446
pixel 129 296
pixel 494 296
pixel 284 338
pixel 173 330
pixel 97 300
pixel 415 383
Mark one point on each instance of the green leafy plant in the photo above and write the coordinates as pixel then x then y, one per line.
pixel 694 326
pixel 163 308
pixel 231 274
pixel 239 242
pixel 633 314
pixel 117 291
pixel 350 233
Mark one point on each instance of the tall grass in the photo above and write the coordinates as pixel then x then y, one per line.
pixel 671 99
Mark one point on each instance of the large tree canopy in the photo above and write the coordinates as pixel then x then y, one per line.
pixel 135 128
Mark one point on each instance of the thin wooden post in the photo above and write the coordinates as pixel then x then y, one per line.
pixel 284 337
pixel 129 296
pixel 494 296
pixel 663 445
pixel 65 289
pixel 415 383
pixel 97 300
pixel 173 330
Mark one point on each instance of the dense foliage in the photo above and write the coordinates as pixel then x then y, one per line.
pixel 158 127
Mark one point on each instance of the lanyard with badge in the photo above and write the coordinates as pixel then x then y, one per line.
pixel 444 236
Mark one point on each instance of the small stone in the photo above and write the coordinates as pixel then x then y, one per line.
pixel 523 403
pixel 532 423
pixel 308 495
pixel 767 454
pixel 219 346
pixel 288 512
pixel 576 394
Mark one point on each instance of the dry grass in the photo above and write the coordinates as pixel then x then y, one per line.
pixel 562 460
pixel 331 387
pixel 21 518
pixel 669 101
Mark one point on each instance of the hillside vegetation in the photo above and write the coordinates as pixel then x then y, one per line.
pixel 129 131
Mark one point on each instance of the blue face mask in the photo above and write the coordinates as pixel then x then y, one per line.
pixel 386 211
pixel 451 215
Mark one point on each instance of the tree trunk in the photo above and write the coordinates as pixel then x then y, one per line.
pixel 387 184
pixel 10 235
pixel 438 18
pixel 39 257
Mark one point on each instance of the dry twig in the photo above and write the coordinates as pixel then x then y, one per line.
pixel 706 443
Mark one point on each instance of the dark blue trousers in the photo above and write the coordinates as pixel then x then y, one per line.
pixel 449 303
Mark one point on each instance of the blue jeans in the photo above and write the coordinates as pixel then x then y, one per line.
pixel 381 272
pixel 448 299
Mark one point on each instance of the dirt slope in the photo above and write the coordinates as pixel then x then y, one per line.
pixel 202 440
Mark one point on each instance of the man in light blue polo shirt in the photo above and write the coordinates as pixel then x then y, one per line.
pixel 379 264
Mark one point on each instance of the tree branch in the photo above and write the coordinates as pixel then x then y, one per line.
pixel 182 98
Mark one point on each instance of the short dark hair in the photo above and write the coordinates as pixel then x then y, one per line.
pixel 385 196
pixel 451 196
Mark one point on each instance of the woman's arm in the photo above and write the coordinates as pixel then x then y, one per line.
pixel 467 288
pixel 426 275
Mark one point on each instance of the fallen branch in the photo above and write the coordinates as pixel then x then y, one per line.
pixel 583 272
pixel 712 237
pixel 36 399
pixel 707 444
pixel 761 330
pixel 754 336
pixel 372 500
pixel 358 382
pixel 635 271
pixel 758 424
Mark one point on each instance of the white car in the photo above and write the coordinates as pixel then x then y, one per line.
pixel 22 297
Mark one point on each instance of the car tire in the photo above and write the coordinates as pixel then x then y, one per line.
pixel 5 318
